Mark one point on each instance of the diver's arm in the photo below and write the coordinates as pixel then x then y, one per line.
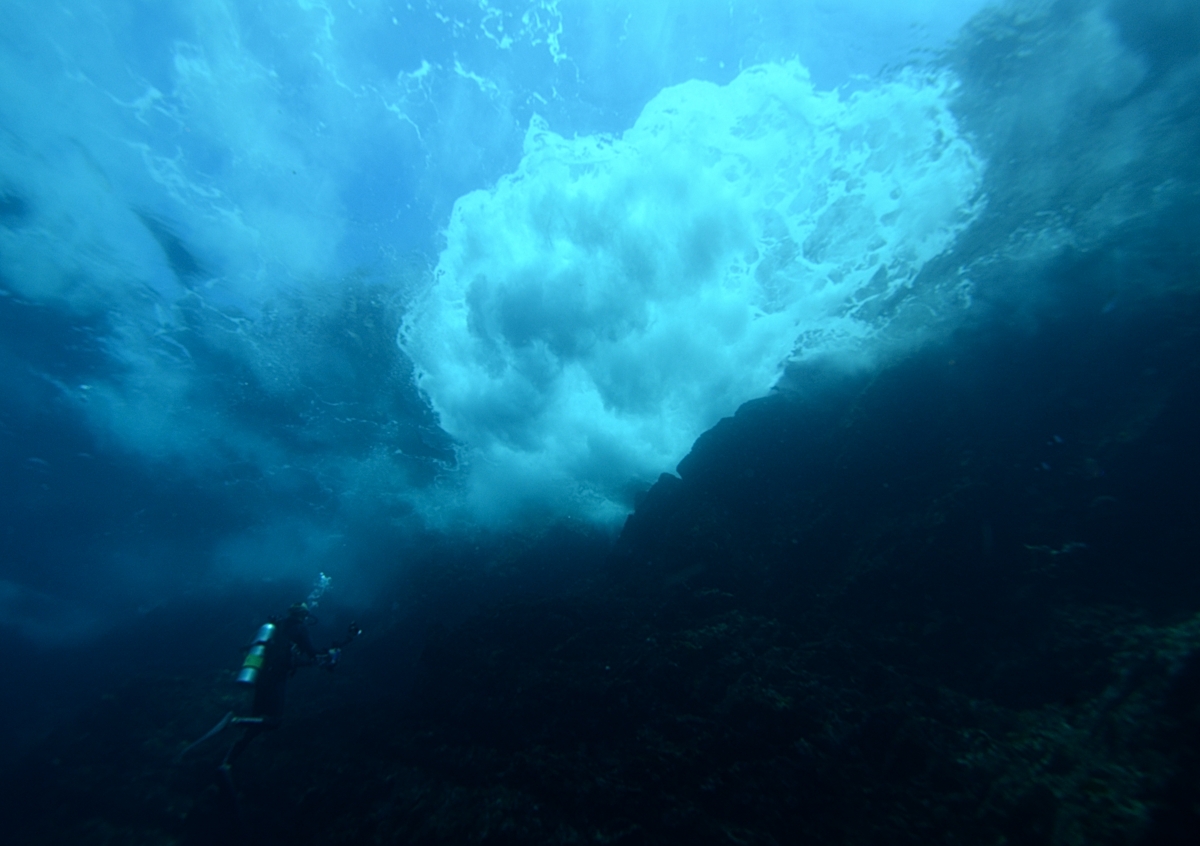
pixel 329 658
pixel 299 636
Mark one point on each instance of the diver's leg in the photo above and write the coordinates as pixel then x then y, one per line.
pixel 254 727
pixel 253 730
pixel 213 732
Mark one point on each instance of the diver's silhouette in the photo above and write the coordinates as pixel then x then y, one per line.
pixel 281 647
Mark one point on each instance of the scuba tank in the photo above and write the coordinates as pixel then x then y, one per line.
pixel 256 655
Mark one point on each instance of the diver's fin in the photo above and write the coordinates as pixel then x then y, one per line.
pixel 213 732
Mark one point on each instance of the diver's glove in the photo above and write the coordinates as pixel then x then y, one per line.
pixel 329 658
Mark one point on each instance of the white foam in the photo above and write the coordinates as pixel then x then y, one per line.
pixel 196 184
pixel 604 304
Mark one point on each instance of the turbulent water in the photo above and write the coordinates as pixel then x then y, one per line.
pixel 454 301
pixel 602 306
pixel 284 285
pixel 298 286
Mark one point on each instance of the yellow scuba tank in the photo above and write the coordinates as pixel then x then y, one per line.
pixel 256 655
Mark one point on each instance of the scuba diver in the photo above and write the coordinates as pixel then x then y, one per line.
pixel 282 646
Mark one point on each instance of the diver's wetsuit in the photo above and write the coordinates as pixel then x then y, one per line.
pixel 291 648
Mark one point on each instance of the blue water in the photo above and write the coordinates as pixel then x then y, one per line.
pixel 292 287
pixel 431 297
pixel 215 220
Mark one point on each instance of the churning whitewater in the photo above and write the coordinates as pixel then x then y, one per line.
pixel 615 296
